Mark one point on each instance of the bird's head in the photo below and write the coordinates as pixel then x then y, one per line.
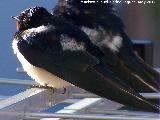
pixel 32 17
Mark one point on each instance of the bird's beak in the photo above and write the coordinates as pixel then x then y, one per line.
pixel 17 22
pixel 15 17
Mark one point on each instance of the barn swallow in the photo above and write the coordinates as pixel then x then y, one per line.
pixel 106 30
pixel 57 54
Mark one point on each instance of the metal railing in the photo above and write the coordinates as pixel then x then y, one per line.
pixel 25 105
pixel 37 116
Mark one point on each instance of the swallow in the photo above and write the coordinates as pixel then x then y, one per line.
pixel 56 53
pixel 106 30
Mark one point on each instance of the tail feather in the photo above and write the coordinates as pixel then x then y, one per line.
pixel 127 75
pixel 141 69
pixel 150 70
pixel 128 96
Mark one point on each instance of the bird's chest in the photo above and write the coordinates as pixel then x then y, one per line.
pixel 40 75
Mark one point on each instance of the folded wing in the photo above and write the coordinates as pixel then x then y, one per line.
pixel 82 66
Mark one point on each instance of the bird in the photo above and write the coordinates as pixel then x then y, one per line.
pixel 100 21
pixel 57 54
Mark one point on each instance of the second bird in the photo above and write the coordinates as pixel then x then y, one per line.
pixel 105 29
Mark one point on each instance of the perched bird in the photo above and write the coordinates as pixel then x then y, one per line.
pixel 56 53
pixel 106 30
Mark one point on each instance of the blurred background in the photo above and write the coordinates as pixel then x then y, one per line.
pixel 142 22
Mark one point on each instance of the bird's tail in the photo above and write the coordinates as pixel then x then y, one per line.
pixel 125 73
pixel 124 95
pixel 142 70
pixel 137 66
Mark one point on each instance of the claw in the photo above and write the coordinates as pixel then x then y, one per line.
pixel 42 86
pixel 65 90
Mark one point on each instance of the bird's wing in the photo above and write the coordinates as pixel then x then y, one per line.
pixel 112 61
pixel 137 65
pixel 124 69
pixel 145 73
pixel 140 72
pixel 121 68
pixel 79 67
pixel 117 47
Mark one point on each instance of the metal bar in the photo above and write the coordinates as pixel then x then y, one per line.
pixel 151 95
pixel 87 116
pixel 3 97
pixel 78 95
pixel 146 95
pixel 82 95
pixel 35 100
pixel 70 101
pixel 31 100
pixel 17 82
pixel 120 112
pixel 19 97
pixel 76 107
pixel 80 105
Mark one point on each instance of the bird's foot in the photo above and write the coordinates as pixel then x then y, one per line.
pixel 42 86
pixel 64 90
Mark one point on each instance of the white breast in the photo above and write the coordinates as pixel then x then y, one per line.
pixel 40 75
